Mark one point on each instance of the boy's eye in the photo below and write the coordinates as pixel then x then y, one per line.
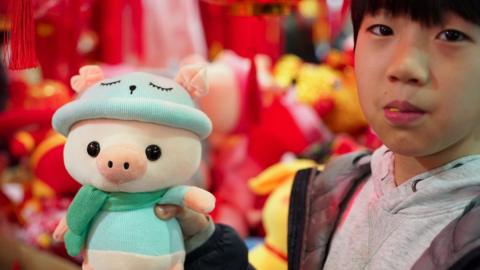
pixel 452 35
pixel 380 30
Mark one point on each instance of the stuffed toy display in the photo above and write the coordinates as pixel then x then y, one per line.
pixel 132 141
pixel 33 160
pixel 233 104
pixel 249 123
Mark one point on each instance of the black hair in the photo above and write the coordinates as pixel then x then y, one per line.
pixel 426 12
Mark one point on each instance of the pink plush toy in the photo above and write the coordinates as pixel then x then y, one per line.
pixel 132 141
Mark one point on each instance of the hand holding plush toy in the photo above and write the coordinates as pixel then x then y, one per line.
pixel 132 141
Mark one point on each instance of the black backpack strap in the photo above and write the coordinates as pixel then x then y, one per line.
pixel 316 203
pixel 296 215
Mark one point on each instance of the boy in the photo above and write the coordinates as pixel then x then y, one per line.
pixel 413 205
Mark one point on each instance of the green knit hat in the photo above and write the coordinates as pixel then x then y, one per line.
pixel 135 96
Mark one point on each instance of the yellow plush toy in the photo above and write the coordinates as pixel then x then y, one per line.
pixel 277 181
pixel 286 69
pixel 318 85
pixel 330 91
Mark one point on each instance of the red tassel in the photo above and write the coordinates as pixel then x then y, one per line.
pixel 22 36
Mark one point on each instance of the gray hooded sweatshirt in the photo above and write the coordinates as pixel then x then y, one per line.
pixel 389 227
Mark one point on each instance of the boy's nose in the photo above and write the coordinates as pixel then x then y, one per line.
pixel 409 65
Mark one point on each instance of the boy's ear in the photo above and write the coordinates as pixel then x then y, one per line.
pixel 88 75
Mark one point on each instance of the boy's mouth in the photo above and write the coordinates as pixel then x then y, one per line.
pixel 402 106
pixel 402 112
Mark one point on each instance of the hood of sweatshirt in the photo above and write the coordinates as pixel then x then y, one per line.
pixel 443 189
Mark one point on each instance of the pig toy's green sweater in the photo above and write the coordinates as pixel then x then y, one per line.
pixel 124 222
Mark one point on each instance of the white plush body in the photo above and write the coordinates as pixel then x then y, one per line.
pixel 127 261
pixel 180 157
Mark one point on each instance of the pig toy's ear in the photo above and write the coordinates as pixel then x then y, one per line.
pixel 88 76
pixel 194 79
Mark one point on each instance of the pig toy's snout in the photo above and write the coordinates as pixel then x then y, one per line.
pixel 121 164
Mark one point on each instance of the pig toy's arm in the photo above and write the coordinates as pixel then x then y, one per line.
pixel 192 197
pixel 199 200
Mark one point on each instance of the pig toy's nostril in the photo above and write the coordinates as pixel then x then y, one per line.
pixel 119 165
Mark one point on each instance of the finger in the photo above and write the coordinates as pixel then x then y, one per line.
pixel 85 264
pixel 58 235
pixel 192 222
pixel 60 230
pixel 167 211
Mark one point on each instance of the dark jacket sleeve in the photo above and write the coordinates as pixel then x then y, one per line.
pixel 223 250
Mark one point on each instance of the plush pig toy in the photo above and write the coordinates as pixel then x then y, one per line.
pixel 132 141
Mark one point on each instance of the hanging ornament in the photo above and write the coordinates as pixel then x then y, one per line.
pixel 19 50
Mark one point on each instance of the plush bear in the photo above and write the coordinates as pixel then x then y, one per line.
pixel 133 141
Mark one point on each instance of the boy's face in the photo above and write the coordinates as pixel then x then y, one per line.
pixel 419 86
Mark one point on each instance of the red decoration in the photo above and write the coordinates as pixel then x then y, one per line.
pixel 120 32
pixel 59 28
pixel 246 31
pixel 22 35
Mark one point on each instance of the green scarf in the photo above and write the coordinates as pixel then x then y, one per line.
pixel 90 200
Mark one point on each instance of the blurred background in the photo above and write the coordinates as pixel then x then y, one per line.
pixel 282 97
